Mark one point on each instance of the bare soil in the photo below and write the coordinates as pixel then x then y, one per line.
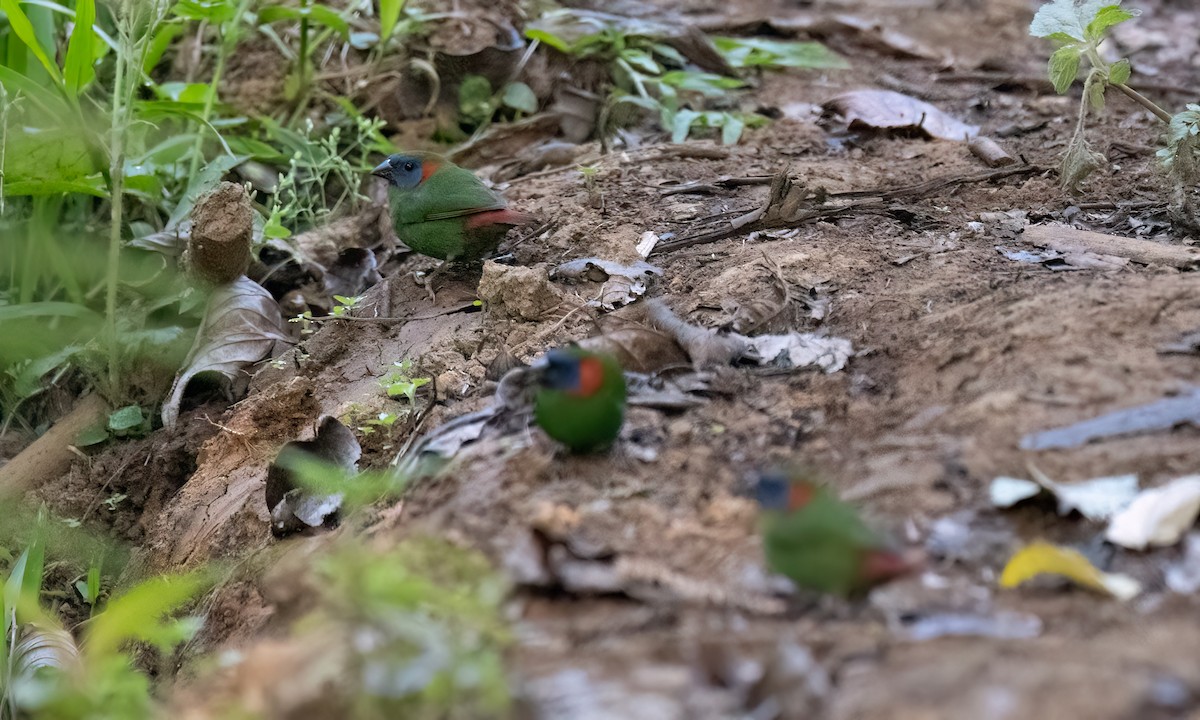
pixel 962 351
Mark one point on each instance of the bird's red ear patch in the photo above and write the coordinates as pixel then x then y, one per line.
pixel 429 167
pixel 591 377
pixel 800 494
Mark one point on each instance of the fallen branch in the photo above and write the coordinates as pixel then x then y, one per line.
pixel 1066 239
pixel 50 455
pixel 786 206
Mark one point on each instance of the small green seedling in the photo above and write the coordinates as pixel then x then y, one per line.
pixel 129 421
pixel 589 174
pixel 478 103
pixel 1079 26
pixel 344 304
pixel 89 587
pixel 399 382
pixel 112 501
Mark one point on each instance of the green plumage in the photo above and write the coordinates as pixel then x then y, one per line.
pixel 449 214
pixel 584 423
pixel 824 545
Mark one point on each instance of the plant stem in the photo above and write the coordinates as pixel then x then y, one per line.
pixel 302 68
pixel 229 38
pixel 3 141
pixel 1144 101
pixel 116 170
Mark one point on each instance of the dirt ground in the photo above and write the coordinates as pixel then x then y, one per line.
pixel 961 351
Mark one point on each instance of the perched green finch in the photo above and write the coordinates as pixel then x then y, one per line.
pixel 443 211
pixel 580 401
pixel 820 542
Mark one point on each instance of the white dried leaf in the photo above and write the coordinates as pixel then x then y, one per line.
pixel 1004 492
pixel 647 243
pixel 1159 516
pixel 797 350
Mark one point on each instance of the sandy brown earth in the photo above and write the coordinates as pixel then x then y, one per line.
pixel 960 352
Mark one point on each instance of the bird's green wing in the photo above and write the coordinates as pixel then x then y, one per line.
pixel 452 192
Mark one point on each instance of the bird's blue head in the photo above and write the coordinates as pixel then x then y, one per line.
pixel 786 488
pixel 772 491
pixel 405 171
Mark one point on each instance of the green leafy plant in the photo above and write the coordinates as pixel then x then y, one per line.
pixel 306 15
pixel 478 103
pixel 344 304
pixel 44 673
pixel 433 616
pixel 773 54
pixel 650 74
pixel 1079 26
pixel 88 587
pixel 317 162
pixel 104 682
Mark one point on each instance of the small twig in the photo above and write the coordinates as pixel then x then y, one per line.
pixel 716 187
pixel 1145 102
pixel 930 186
pixel 409 318
pixel 96 501
pixel 551 330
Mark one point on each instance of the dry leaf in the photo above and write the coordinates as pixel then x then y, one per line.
pixel 888 110
pixel 638 348
pixel 241 326
pixel 1158 516
pixel 797 350
pixel 40 647
pixel 1096 499
pixel 1005 492
pixel 294 507
pixel 622 283
pixel 1045 559
pixel 646 243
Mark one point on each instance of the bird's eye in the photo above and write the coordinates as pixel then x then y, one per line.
pixel 410 166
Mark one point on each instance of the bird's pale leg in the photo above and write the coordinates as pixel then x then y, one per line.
pixel 439 270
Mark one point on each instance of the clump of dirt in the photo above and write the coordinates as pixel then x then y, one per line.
pixel 218 249
pixel 123 487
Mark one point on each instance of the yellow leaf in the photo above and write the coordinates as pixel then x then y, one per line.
pixel 1045 559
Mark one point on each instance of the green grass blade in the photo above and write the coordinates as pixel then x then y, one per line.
pixel 24 30
pixel 389 15
pixel 81 50
pixel 46 309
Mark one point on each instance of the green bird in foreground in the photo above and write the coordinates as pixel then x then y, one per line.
pixel 443 211
pixel 820 542
pixel 580 401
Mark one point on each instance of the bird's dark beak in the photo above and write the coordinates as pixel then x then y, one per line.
pixel 383 170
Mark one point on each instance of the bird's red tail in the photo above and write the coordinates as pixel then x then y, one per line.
pixel 498 217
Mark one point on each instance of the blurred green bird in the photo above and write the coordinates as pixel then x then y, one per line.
pixel 580 400
pixel 820 542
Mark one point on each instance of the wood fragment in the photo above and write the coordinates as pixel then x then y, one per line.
pixel 987 150
pixel 50 455
pixel 1066 239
